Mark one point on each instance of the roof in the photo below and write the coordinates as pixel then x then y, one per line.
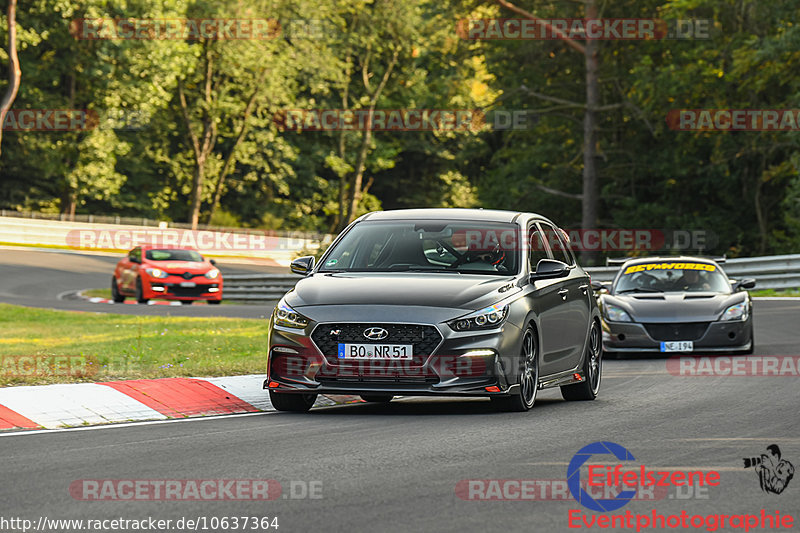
pixel 489 215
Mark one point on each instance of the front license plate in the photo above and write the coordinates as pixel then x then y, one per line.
pixel 677 346
pixel 188 284
pixel 375 351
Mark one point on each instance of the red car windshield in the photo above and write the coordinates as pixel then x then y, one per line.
pixel 173 255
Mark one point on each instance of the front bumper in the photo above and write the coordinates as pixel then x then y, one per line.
pixel 170 288
pixel 462 364
pixel 720 336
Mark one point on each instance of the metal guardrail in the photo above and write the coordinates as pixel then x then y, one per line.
pixel 773 272
pixel 258 287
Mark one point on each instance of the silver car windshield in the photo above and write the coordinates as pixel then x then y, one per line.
pixel 427 246
pixel 665 276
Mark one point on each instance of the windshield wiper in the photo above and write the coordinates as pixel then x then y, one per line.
pixel 427 269
pixel 639 289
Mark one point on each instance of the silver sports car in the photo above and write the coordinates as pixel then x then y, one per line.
pixel 676 304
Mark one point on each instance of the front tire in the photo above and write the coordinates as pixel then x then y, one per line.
pixel 297 403
pixel 528 383
pixel 140 292
pixel 115 294
pixel 592 370
pixel 215 302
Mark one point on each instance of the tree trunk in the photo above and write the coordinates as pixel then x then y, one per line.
pixel 355 192
pixel 590 198
pixel 230 161
pixel 14 70
pixel 200 147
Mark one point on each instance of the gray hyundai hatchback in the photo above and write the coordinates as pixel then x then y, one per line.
pixel 455 302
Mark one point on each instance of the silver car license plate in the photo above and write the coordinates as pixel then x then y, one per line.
pixel 677 346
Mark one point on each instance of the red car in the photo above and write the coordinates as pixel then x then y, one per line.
pixel 166 273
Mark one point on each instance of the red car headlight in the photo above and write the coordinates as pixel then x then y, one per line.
pixel 156 273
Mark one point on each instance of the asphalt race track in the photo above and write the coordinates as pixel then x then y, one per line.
pixel 50 279
pixel 396 467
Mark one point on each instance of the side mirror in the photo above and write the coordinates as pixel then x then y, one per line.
pixel 599 286
pixel 549 269
pixel 745 284
pixel 134 260
pixel 212 262
pixel 303 265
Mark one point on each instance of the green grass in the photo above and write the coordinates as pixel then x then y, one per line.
pixel 97 293
pixel 105 347
pixel 776 292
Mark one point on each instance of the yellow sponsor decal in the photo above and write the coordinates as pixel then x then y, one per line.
pixel 669 266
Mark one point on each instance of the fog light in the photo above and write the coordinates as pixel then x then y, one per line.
pixel 493 388
pixel 284 349
pixel 577 377
pixel 213 289
pixel 274 385
pixel 157 288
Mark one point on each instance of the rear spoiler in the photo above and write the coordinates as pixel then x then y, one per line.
pixel 720 259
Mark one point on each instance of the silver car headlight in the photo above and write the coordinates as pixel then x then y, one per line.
pixel 486 318
pixel 287 317
pixel 736 312
pixel 616 314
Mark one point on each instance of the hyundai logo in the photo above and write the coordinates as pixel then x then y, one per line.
pixel 376 334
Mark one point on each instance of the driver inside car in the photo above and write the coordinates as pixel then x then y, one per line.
pixel 692 280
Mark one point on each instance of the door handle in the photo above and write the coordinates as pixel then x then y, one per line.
pixel 563 293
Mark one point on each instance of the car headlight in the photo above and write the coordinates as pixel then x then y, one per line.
pixel 212 274
pixel 487 318
pixel 736 312
pixel 288 317
pixel 616 314
pixel 156 273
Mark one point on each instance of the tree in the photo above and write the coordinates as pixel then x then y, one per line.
pixel 14 70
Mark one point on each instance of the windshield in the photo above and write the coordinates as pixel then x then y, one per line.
pixel 427 246
pixel 672 277
pixel 174 255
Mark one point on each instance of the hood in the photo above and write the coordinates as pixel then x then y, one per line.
pixel 172 266
pixel 675 306
pixel 453 291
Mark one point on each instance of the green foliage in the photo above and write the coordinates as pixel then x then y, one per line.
pixel 743 187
